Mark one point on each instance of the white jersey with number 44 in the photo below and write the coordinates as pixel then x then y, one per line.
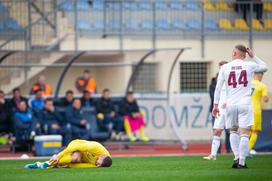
pixel 236 76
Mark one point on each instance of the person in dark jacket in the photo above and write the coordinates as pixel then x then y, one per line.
pixel 79 125
pixel 133 118
pixel 54 123
pixel 15 100
pixel 25 125
pixel 107 116
pixel 67 101
pixel 4 114
pixel 86 100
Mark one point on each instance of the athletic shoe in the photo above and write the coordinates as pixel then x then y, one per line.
pixel 235 163
pixel 249 155
pixel 144 139
pixel 44 165
pixel 132 138
pixel 242 166
pixel 32 165
pixel 210 157
pixel 253 152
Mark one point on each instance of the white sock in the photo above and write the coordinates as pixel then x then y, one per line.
pixel 243 149
pixel 215 145
pixel 234 143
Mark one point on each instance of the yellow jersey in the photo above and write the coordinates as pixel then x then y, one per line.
pixel 90 150
pixel 259 91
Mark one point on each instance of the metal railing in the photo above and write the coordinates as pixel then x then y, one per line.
pixel 182 19
pixel 45 24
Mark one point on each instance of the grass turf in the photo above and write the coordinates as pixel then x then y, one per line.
pixel 147 168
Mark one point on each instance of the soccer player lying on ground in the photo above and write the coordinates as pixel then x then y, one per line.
pixel 78 154
pixel 219 123
pixel 236 76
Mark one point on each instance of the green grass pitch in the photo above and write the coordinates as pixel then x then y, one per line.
pixel 147 168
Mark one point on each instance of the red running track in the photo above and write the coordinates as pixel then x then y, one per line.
pixel 136 150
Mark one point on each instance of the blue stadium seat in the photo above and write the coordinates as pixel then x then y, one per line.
pixel 114 25
pixel 2 27
pixel 194 25
pixel 176 5
pixel 83 6
pixel 147 25
pixel 67 5
pixel 3 8
pixel 179 24
pixel 211 25
pixel 145 6
pixel 130 6
pixel 162 24
pixel 132 25
pixel 161 5
pixel 12 24
pixel 114 6
pixel 83 25
pixel 192 6
pixel 99 25
pixel 98 5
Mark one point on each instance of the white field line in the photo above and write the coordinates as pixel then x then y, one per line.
pixel 123 156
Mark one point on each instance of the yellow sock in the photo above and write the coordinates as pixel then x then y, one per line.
pixel 142 131
pixel 127 127
pixel 66 159
pixel 252 140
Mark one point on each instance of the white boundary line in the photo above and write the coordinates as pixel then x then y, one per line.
pixel 121 156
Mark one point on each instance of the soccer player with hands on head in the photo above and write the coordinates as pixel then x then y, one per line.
pixel 236 76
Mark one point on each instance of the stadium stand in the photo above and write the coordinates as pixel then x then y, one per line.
pixel 240 24
pixel 182 19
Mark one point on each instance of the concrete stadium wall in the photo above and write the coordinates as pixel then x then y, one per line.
pixel 116 78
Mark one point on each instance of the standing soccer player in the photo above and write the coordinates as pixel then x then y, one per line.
pixel 236 76
pixel 219 123
pixel 259 92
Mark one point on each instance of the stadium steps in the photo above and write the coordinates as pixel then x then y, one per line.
pixel 18 79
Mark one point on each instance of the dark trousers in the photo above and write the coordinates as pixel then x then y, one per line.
pixel 80 133
pixel 109 123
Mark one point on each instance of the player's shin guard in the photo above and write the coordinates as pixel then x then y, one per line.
pixel 243 149
pixel 215 145
pixel 234 143
pixel 252 140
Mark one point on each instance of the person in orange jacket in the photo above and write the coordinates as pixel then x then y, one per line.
pixel 41 85
pixel 86 83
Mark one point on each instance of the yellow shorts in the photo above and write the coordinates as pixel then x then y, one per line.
pixel 257 122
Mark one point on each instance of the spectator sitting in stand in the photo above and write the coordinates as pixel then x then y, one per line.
pixel 79 125
pixel 86 100
pixel 67 101
pixel 133 119
pixel 15 100
pixel 4 114
pixel 107 117
pixel 53 122
pixel 86 82
pixel 37 103
pixel 41 85
pixel 25 125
